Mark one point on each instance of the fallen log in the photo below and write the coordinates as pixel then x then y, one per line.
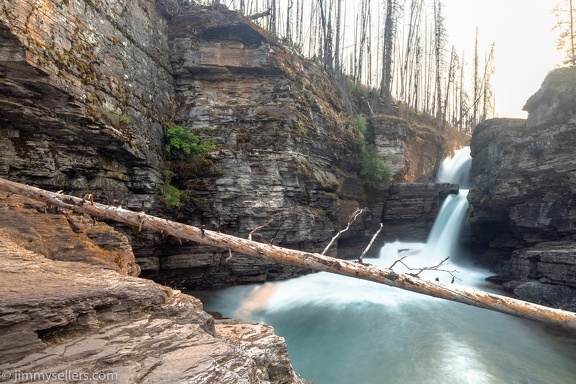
pixel 313 261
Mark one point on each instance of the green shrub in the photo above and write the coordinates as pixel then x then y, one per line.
pixel 374 171
pixel 360 122
pixel 173 197
pixel 116 120
pixel 182 142
pixel 300 128
pixel 359 89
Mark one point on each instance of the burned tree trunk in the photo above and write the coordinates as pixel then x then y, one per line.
pixel 314 261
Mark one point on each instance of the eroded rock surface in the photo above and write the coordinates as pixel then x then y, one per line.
pixel 84 317
pixel 47 231
pixel 525 182
pixel 411 209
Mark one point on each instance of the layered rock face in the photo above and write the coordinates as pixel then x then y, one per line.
pixel 413 151
pixel 286 161
pixel 411 209
pixel 84 86
pixel 523 199
pixel 67 308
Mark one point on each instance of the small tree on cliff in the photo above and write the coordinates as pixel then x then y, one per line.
pixel 565 14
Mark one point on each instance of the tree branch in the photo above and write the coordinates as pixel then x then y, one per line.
pixel 352 219
pixel 261 226
pixel 370 244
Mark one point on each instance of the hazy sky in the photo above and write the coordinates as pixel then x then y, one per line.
pixel 525 44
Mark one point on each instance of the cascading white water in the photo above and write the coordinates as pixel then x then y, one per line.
pixel 448 225
pixel 442 242
pixel 456 169
pixel 341 330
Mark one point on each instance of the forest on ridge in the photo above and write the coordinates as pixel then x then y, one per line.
pixel 399 49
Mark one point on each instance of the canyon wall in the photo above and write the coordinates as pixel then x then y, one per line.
pixel 286 158
pixel 523 206
pixel 86 87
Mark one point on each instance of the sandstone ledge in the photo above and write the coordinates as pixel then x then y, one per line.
pixel 60 315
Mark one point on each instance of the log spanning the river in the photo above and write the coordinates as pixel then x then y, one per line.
pixel 313 261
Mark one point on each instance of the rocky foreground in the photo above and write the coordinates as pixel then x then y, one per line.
pixel 69 305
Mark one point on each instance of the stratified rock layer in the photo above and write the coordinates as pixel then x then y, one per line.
pixel 412 151
pixel 525 182
pixel 286 161
pixel 82 317
pixel 85 87
pixel 411 209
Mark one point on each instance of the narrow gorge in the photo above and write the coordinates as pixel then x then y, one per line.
pixel 88 90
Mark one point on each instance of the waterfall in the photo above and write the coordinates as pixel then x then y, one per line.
pixel 443 239
pixel 456 169
pixel 447 228
pixel 341 330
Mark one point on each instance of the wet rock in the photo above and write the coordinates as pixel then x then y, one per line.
pixel 557 296
pixel 552 262
pixel 500 279
pixel 411 209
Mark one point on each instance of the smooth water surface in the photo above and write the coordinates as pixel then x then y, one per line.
pixel 343 330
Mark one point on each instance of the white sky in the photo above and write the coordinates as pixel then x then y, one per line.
pixel 525 44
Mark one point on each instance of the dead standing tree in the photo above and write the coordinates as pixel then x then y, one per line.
pixel 313 261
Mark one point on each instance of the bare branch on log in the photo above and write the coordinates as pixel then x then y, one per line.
pixel 398 261
pixel 370 243
pixel 422 269
pixel 313 261
pixel 352 219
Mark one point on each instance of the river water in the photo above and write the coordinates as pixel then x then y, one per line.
pixel 344 330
